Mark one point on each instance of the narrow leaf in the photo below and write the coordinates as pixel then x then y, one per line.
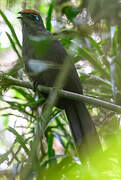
pixel 92 59
pixel 10 27
pixel 19 139
pixel 13 46
pixel 49 17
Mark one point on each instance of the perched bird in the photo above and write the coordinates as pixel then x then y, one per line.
pixel 44 56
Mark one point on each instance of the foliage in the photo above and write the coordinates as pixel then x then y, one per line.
pixel 93 39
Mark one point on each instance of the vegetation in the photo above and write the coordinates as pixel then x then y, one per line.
pixel 90 32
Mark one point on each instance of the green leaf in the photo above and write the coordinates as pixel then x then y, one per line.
pixel 94 78
pixel 5 121
pixel 51 152
pixel 4 157
pixel 19 139
pixel 25 94
pixel 96 46
pixel 49 17
pixel 94 61
pixel 59 137
pixel 14 47
pixel 18 106
pixel 11 114
pixel 114 40
pixel 10 27
pixel 50 145
pixel 71 12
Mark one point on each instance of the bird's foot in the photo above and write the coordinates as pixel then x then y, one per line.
pixel 35 85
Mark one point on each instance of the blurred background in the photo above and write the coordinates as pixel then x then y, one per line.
pixel 90 31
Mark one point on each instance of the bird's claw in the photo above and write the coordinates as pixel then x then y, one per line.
pixel 35 85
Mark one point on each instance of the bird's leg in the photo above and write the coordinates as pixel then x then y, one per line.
pixel 35 85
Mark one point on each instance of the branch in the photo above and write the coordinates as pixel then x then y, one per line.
pixel 6 81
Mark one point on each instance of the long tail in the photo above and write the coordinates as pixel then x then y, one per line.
pixel 82 126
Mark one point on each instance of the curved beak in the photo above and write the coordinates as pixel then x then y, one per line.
pixel 20 13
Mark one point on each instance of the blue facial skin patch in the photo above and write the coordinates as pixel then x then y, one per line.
pixel 37 17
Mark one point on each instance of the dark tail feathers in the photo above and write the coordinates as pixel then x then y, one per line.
pixel 82 126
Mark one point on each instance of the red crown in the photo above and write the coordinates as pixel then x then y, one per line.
pixel 30 11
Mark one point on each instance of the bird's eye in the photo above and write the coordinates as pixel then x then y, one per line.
pixel 37 17
pixel 34 17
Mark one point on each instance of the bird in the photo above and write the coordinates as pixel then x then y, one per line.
pixel 44 56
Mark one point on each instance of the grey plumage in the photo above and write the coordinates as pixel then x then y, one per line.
pixel 39 44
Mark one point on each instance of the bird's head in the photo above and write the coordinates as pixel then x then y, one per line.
pixel 31 20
